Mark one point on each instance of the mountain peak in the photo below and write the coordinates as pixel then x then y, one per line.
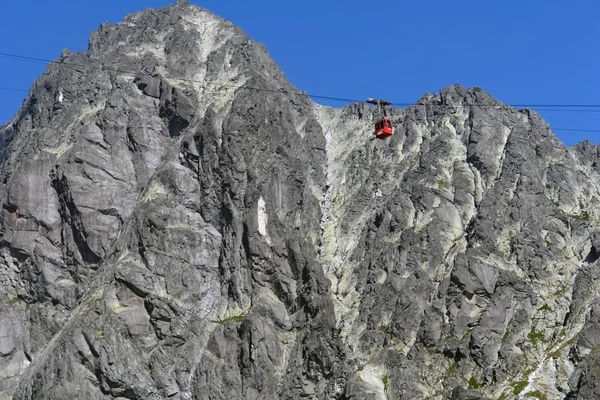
pixel 151 28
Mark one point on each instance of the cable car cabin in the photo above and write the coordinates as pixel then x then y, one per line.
pixel 383 128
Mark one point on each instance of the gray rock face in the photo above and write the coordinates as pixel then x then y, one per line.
pixel 170 231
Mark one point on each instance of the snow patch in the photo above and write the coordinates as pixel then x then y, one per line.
pixel 447 124
pixel 263 220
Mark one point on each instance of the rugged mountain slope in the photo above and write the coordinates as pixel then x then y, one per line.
pixel 168 234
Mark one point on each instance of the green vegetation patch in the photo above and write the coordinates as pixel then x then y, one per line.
pixel 467 333
pixel 545 307
pixel 473 384
pixel 535 336
pixel 452 368
pixel 518 386
pixel 583 216
pixel 13 301
pixel 556 353
pixel 386 383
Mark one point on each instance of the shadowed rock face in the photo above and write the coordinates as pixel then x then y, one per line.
pixel 168 234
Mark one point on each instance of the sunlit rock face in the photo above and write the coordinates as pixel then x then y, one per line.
pixel 177 225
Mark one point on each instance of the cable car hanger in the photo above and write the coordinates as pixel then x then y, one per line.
pixel 383 127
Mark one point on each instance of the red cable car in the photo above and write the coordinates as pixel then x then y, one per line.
pixel 383 127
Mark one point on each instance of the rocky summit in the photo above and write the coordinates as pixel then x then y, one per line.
pixel 180 222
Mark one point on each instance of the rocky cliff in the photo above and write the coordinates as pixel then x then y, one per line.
pixel 176 224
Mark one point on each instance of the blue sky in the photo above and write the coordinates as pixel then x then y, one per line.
pixel 521 52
